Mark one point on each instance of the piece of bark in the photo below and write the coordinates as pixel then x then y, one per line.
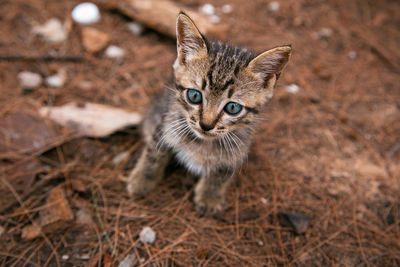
pixel 160 15
pixel 94 120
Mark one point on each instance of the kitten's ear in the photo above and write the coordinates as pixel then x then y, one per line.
pixel 190 42
pixel 270 62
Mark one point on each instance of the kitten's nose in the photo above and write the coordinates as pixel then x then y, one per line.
pixel 206 127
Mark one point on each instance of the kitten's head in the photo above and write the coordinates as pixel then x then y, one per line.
pixel 222 88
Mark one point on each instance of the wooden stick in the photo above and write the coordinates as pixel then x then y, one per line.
pixel 17 57
pixel 160 15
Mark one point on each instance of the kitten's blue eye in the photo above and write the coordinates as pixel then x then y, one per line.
pixel 194 96
pixel 233 108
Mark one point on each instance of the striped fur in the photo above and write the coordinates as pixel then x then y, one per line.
pixel 204 137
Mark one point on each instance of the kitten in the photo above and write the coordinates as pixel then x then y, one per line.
pixel 207 119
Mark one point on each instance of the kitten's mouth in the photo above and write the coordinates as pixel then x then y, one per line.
pixel 204 135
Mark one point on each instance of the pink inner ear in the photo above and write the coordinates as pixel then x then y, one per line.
pixel 271 62
pixel 190 40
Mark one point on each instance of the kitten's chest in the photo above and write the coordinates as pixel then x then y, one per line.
pixel 204 158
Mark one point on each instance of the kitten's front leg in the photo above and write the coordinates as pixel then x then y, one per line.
pixel 148 171
pixel 210 191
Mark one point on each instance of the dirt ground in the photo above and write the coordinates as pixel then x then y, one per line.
pixel 329 150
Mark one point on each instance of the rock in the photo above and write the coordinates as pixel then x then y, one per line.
pixel 65 257
pixel 94 120
pixel 129 261
pixel 292 88
pixel 52 31
pixel 147 235
pixel 57 80
pixel 94 40
pixel 86 13
pixel 114 52
pixel 297 221
pixel 29 80
pixel 135 27
pixel 207 9
pixel 274 6
pixel 227 9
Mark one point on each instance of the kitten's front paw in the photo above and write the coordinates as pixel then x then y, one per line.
pixel 209 205
pixel 139 186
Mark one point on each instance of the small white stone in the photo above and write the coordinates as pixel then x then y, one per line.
pixel 324 33
pixel 292 88
pixel 120 157
pixel 274 6
pixel 226 9
pixel 352 55
pixel 147 235
pixel 135 27
pixel 86 13
pixel 260 243
pixel 65 257
pixel 214 19
pixel 29 80
pixel 57 80
pixel 85 85
pixel 114 52
pixel 52 31
pixel 264 200
pixel 208 9
pixel 84 257
pixel 129 261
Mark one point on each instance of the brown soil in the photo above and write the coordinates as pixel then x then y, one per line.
pixel 330 151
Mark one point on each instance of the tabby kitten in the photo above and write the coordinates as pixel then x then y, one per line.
pixel 207 119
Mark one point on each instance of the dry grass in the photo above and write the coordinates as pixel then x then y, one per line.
pixel 330 151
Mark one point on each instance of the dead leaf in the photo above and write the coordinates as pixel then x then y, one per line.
pixel 31 231
pixel 201 253
pixel 25 133
pixel 94 120
pixel 78 185
pixel 22 174
pixel 57 212
pixel 297 221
